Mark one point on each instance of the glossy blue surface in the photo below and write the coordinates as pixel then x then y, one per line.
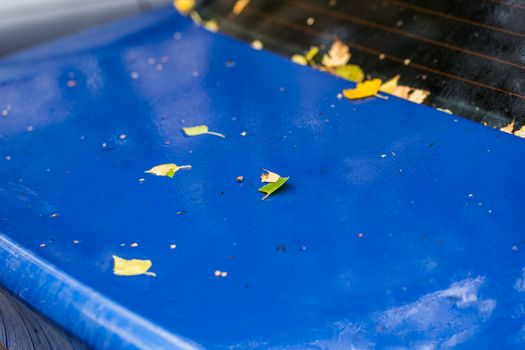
pixel 400 226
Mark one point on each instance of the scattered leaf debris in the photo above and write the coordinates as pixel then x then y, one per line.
pixel 219 273
pixel 200 130
pixel 133 267
pixel 239 6
pixel 273 183
pixel 168 170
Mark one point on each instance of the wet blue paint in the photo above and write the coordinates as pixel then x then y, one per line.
pixel 400 225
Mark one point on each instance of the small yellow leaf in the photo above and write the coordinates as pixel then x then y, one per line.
pixel 200 130
pixel 338 55
pixel 184 6
pixel 350 72
pixel 509 128
pixel 310 55
pixel 239 6
pixel 167 169
pixel 300 59
pixel 365 89
pixel 211 25
pixel 269 176
pixel 133 267
pixel 390 85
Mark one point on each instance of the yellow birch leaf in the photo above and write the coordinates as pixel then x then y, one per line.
pixel 300 59
pixel 133 267
pixel 390 85
pixel 269 176
pixel 168 170
pixel 509 128
pixel 350 72
pixel 239 6
pixel 362 90
pixel 184 6
pixel 338 55
pixel 200 130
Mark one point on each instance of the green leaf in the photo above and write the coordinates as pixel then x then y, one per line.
pixel 271 187
pixel 350 72
pixel 200 130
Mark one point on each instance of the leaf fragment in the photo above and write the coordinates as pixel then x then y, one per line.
pixel 508 128
pixel 311 54
pixel 133 267
pixel 269 176
pixel 520 132
pixel 271 187
pixel 362 90
pixel 200 130
pixel 239 6
pixel 184 6
pixel 300 59
pixel 350 72
pixel 338 55
pixel 390 85
pixel 168 170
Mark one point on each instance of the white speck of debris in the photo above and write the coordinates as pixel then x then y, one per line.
pixel 53 215
pixel 151 60
pixel 257 44
pixel 514 248
pixel 30 128
pixel 393 153
pixel 7 157
pixel 159 67
pixel 382 56
pixel 76 241
pixel 217 273
pixel 490 211
pixel 134 245
pixel 310 21
pixel 141 180
pixel 224 274
pixel 195 74
pixel 42 245
pixel 177 35
pixel 339 95
pixel 383 156
pixel 470 195
pixel 122 244
pixel 122 136
pixel 244 133
pixel 406 62
pixel 104 145
pixel 134 75
pixel 173 246
pixel 480 204
pixel 332 106
pixel 399 23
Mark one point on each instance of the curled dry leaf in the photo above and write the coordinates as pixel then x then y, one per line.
pixel 508 128
pixel 133 267
pixel 239 6
pixel 184 6
pixel 269 176
pixel 411 94
pixel 200 130
pixel 338 55
pixel 168 170
pixel 520 132
pixel 365 89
